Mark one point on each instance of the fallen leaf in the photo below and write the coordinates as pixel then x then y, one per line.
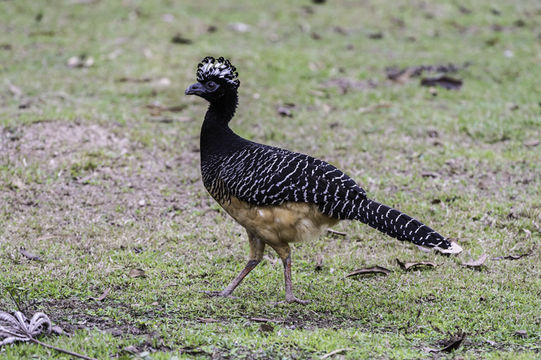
pixel 430 174
pixel 14 90
pixel 452 344
pixel 433 133
pixel 413 264
pixel 29 255
pixel 136 273
pixel 476 263
pixel 444 81
pixel 402 75
pixel 284 110
pixel 57 330
pixel 514 257
pixel 240 27
pixel 102 296
pixel 179 39
pixel 531 143
pixel 371 270
pixel 265 327
pixel 264 320
pixel 335 352
pixel 376 35
pixel 131 349
pixel 464 10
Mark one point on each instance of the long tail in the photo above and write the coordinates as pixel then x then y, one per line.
pixel 403 227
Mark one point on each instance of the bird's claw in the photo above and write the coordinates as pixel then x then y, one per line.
pixel 219 293
pixel 290 300
pixel 298 301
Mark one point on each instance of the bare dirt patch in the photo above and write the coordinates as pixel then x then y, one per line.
pixel 52 143
pixel 85 173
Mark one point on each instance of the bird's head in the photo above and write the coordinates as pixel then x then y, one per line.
pixel 215 78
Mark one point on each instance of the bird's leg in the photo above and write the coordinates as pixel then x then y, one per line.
pixel 256 254
pixel 236 281
pixel 290 298
pixel 285 255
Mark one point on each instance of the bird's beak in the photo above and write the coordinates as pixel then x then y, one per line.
pixel 195 89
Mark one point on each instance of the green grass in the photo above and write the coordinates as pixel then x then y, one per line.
pixel 97 184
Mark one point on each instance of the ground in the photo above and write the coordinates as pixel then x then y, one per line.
pixel 99 176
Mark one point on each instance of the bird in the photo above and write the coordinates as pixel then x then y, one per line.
pixel 279 196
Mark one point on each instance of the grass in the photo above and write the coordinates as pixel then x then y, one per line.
pixel 97 183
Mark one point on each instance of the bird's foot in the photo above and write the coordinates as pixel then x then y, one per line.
pixel 292 299
pixel 219 293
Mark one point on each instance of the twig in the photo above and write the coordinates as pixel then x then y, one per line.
pixel 62 350
pixel 334 232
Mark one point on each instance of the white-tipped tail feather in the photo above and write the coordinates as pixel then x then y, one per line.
pixel 453 249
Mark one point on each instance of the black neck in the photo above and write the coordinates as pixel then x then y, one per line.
pixel 223 109
pixel 216 136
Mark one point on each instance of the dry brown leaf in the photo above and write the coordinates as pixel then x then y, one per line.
pixel 413 264
pixel 531 143
pixel 284 110
pixel 371 270
pixel 14 90
pixel 265 327
pixel 452 344
pixel 476 263
pixel 179 39
pixel 29 255
pixel 443 81
pixel 102 296
pixel 430 174
pixel 136 273
pixel 514 257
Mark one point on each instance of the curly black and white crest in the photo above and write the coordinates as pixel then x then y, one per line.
pixel 221 68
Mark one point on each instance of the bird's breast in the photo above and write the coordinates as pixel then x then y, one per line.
pixel 279 224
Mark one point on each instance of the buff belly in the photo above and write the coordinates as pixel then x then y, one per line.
pixel 279 224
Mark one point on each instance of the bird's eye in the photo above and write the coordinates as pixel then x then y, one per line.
pixel 211 84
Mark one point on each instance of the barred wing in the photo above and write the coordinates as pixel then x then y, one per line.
pixel 264 175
